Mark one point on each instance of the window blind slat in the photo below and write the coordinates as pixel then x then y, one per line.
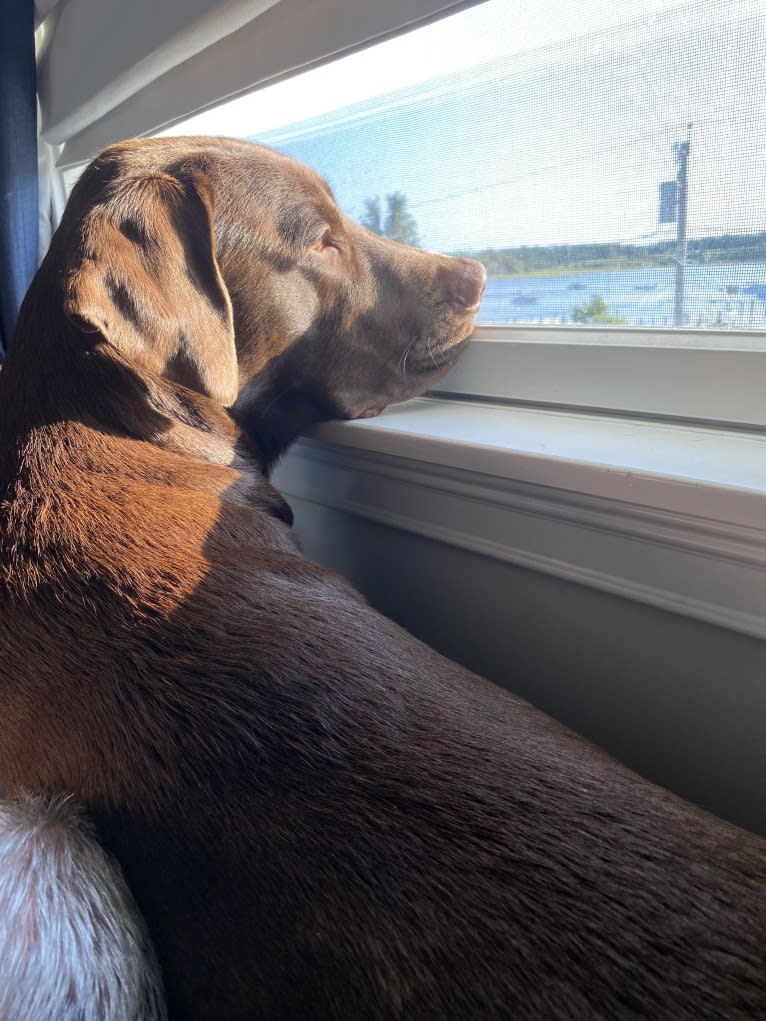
pixel 98 54
pixel 289 35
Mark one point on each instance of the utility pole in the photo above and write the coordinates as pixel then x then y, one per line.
pixel 681 151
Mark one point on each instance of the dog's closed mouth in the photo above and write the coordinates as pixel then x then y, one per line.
pixel 433 359
pixel 367 412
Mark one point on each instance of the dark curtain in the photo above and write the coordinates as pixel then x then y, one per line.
pixel 18 159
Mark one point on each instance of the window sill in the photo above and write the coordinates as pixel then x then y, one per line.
pixel 671 515
pixel 716 376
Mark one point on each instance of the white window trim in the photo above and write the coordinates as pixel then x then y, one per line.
pixel 670 514
pixel 714 376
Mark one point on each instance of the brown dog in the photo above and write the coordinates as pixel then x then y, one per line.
pixel 319 817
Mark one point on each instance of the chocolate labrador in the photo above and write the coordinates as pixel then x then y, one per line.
pixel 318 816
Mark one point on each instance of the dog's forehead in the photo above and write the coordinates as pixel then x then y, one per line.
pixel 231 160
pixel 279 176
pixel 247 178
pixel 279 194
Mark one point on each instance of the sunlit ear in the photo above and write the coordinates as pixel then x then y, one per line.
pixel 146 277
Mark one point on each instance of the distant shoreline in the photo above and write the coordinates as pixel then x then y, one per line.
pixel 617 266
pixel 559 260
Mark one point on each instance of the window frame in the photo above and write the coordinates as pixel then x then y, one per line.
pixel 716 377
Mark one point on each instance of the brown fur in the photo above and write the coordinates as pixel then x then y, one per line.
pixel 319 817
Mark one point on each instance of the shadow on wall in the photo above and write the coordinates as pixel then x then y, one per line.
pixel 681 702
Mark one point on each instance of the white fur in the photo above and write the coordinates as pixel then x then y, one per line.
pixel 72 944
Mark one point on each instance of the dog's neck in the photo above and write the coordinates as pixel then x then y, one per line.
pixel 95 389
pixel 65 375
pixel 274 420
pixel 53 374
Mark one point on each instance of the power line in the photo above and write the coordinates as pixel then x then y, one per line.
pixel 577 159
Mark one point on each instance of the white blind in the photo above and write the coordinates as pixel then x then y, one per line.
pixel 110 70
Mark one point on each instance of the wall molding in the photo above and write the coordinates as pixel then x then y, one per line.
pixel 706 567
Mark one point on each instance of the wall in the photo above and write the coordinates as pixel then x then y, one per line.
pixel 679 701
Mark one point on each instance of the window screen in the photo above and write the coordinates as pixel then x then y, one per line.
pixel 606 162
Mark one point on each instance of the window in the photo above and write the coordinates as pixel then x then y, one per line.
pixel 545 137
pixel 605 162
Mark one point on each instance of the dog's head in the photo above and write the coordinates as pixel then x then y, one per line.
pixel 229 268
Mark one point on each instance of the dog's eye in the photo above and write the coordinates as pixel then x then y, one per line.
pixel 325 242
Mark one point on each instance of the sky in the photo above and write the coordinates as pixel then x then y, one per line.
pixel 546 122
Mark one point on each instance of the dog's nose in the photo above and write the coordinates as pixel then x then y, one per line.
pixel 464 283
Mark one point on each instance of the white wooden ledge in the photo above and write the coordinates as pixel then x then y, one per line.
pixel 673 515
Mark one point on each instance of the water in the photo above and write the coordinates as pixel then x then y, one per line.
pixel 726 296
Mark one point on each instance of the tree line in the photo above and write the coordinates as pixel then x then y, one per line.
pixel 396 222
pixel 613 256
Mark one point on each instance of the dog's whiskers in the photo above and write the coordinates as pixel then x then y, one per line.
pixel 402 363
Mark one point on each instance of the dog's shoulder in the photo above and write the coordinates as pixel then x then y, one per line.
pixel 87 505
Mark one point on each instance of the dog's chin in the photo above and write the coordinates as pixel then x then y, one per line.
pixel 430 365
pixel 372 412
pixel 424 370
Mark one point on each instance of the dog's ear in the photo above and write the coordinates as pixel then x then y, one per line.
pixel 146 277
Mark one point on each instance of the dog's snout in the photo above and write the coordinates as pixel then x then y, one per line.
pixel 464 283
